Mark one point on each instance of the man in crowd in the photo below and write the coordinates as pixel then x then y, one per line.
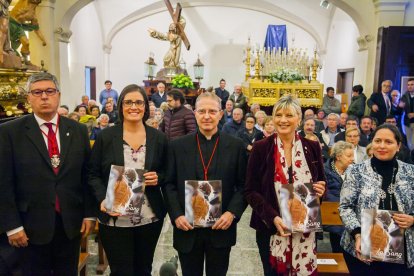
pixel 45 211
pixel 239 100
pixel 111 112
pixel 342 119
pixel 63 110
pixel 178 120
pixel 160 96
pixel 108 92
pixel 254 108
pixel 408 104
pixel 366 127
pixel 352 121
pixel 222 93
pixel 235 124
pixel 380 103
pixel 227 164
pixel 227 114
pixel 332 129
pixel 330 103
pixel 309 129
pixel 318 124
pixel 85 100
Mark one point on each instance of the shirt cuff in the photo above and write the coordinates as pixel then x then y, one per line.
pixel 91 218
pixel 14 231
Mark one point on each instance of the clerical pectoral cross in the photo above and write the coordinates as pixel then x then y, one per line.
pixel 176 19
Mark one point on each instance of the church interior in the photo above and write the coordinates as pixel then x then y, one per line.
pixel 86 42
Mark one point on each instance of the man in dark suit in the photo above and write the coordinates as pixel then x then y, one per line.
pixel 44 200
pixel 222 93
pixel 208 155
pixel 380 103
pixel 160 96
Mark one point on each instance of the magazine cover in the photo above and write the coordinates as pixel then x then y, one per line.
pixel 381 238
pixel 125 191
pixel 300 207
pixel 202 202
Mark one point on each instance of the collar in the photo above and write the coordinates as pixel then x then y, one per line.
pixel 384 94
pixel 40 121
pixel 203 138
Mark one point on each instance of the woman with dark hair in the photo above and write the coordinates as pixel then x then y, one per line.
pixel 95 111
pixel 248 134
pixel 130 240
pixel 280 159
pixel 385 183
pixel 357 106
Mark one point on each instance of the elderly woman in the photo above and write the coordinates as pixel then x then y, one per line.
pixel 260 119
pixel 342 155
pixel 280 159
pixel 385 183
pixel 352 135
pixel 103 122
pixel 248 134
pixel 130 240
pixel 268 130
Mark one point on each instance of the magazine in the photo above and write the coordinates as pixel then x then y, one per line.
pixel 125 191
pixel 381 238
pixel 299 208
pixel 203 202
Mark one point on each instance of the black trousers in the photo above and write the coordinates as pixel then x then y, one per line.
pixel 130 250
pixel 356 267
pixel 263 243
pixel 335 240
pixel 217 259
pixel 59 257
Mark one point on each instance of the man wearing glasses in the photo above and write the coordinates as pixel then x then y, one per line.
pixel 44 202
pixel 209 155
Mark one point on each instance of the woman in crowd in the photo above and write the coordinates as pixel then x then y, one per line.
pixel 269 129
pixel 357 106
pixel 383 182
pixel 85 118
pixel 260 119
pixel 277 160
pixel 352 135
pixel 130 240
pixel 342 155
pixel 103 122
pixel 159 115
pixel 248 134
pixel 95 111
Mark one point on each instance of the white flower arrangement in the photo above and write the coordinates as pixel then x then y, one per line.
pixel 284 75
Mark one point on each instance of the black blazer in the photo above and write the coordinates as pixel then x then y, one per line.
pixel 29 186
pixel 109 150
pixel 230 169
pixel 378 99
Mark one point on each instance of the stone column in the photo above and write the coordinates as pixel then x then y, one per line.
pixel 45 14
pixel 390 12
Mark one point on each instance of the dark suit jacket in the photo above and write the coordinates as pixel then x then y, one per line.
pixel 381 114
pixel 363 141
pixel 157 99
pixel 230 169
pixel 260 192
pixel 223 95
pixel 29 186
pixel 109 150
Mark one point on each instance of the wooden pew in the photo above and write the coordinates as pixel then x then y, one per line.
pixel 330 216
pixel 102 260
pixel 83 257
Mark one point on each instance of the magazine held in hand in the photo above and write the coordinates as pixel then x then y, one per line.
pixel 202 202
pixel 125 191
pixel 300 208
pixel 381 238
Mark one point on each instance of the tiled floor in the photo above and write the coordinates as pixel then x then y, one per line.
pixel 244 258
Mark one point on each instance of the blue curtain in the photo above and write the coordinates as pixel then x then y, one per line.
pixel 276 37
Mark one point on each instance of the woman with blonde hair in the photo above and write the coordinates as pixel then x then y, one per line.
pixel 280 159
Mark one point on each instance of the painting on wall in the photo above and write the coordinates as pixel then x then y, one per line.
pixel 404 80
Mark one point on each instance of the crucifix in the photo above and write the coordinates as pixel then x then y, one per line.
pixel 175 36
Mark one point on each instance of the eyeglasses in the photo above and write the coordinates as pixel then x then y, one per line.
pixel 39 92
pixel 249 122
pixel 129 103
pixel 352 136
pixel 211 112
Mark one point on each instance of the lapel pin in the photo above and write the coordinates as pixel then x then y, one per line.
pixel 67 134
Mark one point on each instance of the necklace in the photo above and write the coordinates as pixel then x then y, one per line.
pixel 205 168
pixel 390 189
pixel 335 169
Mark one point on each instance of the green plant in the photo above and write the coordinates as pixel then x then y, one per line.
pixel 182 81
pixel 286 75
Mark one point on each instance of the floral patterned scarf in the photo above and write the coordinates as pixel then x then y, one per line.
pixel 296 254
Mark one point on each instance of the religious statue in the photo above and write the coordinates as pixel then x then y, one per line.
pixel 4 28
pixel 172 57
pixel 23 18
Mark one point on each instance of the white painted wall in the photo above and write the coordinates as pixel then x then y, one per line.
pixel 84 49
pixel 342 51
